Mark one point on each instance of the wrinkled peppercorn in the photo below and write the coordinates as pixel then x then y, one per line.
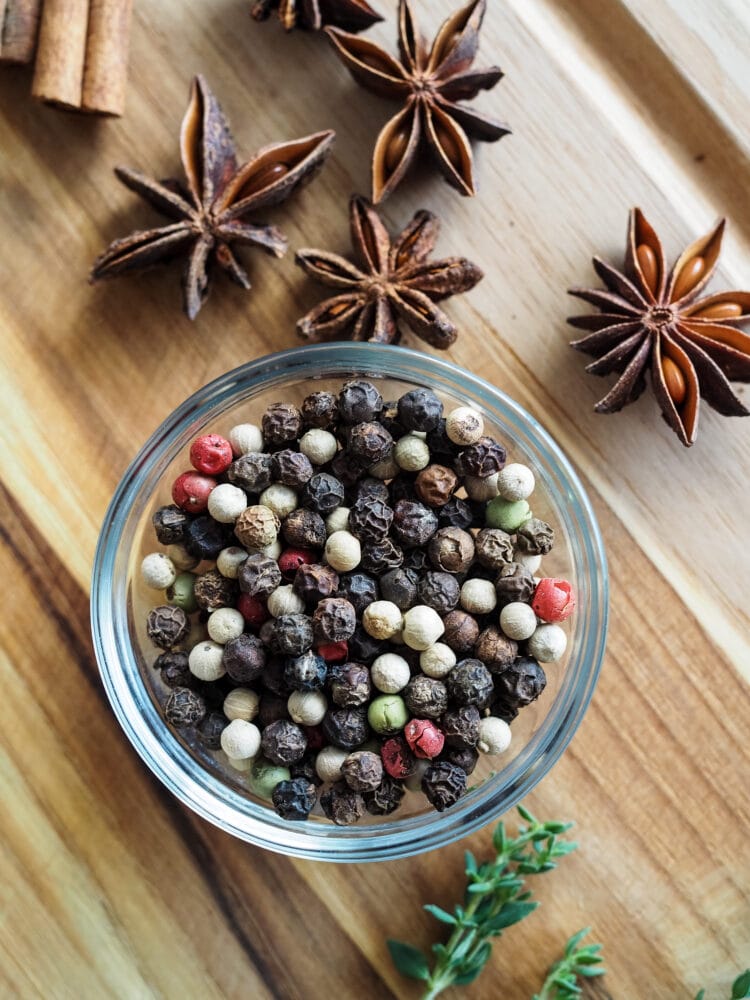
pixel 365 647
pixel 443 783
pixel 403 487
pixel 379 557
pixel 293 634
pixel 259 575
pixel 370 519
pixel 210 729
pixel 342 804
pixel 439 591
pixel 304 529
pixel 291 468
pixel 495 649
pixel 315 582
pixel 281 422
pixel 461 631
pixel 169 524
pixel 271 709
pixel 283 742
pixel 369 442
pixel 174 668
pixel 347 469
pixel 399 586
pixel 294 799
pixel 494 548
pixel 388 417
pixel 346 727
pixel 359 589
pixel 520 683
pixel 359 401
pixel 244 658
pixel 334 620
pixel 435 484
pixel 456 513
pixel 385 799
pixel 413 523
pixel 184 707
pixel 535 537
pixel 440 444
pixel 416 560
pixel 514 583
pixel 461 726
pixel 204 538
pixel 322 493
pixel 451 549
pixel 464 757
pixel 307 672
pixel 420 410
pixel 481 459
pixel 362 771
pixel 350 684
pixel 425 697
pixel 319 409
pixel 470 683
pixel 166 626
pixel 371 489
pixel 251 472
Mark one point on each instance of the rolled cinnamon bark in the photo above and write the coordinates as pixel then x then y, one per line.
pixel 58 76
pixel 19 26
pixel 106 68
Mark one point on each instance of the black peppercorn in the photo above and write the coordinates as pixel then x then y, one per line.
pixel 210 729
pixel 259 575
pixel 319 409
pixel 520 683
pixel 379 557
pixel 365 647
pixel 342 804
pixel 294 799
pixel 385 799
pixel 363 771
pixel 413 523
pixel 457 513
pixel 535 537
pixel 370 519
pixel 244 658
pixel 184 707
pixel 359 401
pixel 251 471
pixel 359 589
pixel 213 591
pixel 464 757
pixel 494 548
pixel 443 783
pixel 470 683
pixel 175 669
pixel 420 410
pixel 169 524
pixel 293 634
pixel 304 529
pixel 425 697
pixel 280 423
pixel 440 591
pixel 334 620
pixel 271 709
pixel 440 444
pixel 274 677
pixel 322 493
pixel 388 417
pixel 314 582
pixel 416 560
pixel 451 550
pixel 305 768
pixel 461 726
pixel 482 459
pixel 371 489
pixel 346 727
pixel 461 631
pixel 347 469
pixel 306 673
pixel 514 583
pixel 403 487
pixel 350 684
pixel 399 586
pixel 495 649
pixel 369 442
pixel 204 538
pixel 283 742
pixel 166 626
pixel 291 468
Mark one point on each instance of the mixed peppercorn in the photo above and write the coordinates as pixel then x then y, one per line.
pixel 351 607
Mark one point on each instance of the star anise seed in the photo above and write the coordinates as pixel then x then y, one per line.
pixel 213 211
pixel 392 281
pixel 312 15
pixel 652 318
pixel 430 81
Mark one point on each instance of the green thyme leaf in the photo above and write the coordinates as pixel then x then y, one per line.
pixel 409 961
pixel 439 914
pixel 741 986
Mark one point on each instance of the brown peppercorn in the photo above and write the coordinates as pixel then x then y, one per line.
pixel 482 459
pixel 350 684
pixel 363 771
pixel 184 707
pixel 167 625
pixel 244 658
pixel 174 668
pixel 291 468
pixel 514 583
pixel 259 575
pixel 257 526
pixel 461 726
pixel 251 471
pixel 535 537
pixel 304 529
pixel 334 620
pixel 494 548
pixel 280 423
pixel 495 649
pixel 319 409
pixel 451 549
pixel 369 442
pixel 425 697
pixel 283 742
pixel 379 557
pixel 342 804
pixel 461 631
pixel 435 485
pixel 315 582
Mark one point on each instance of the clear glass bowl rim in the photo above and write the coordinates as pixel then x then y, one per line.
pixel 184 776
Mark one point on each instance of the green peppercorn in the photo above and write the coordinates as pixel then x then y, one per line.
pixel 387 714
pixel 265 776
pixel 508 515
pixel 182 593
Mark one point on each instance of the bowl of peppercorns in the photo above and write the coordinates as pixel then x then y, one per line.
pixel 349 602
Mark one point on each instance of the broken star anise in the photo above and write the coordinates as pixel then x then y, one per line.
pixel 212 212
pixel 430 81
pixel 392 280
pixel 351 15
pixel 653 319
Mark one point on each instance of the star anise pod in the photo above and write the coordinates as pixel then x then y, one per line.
pixel 351 15
pixel 430 81
pixel 213 211
pixel 654 319
pixel 392 281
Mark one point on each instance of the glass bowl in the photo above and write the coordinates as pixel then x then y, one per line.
pixel 119 605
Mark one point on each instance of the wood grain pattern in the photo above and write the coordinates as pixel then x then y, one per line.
pixel 108 887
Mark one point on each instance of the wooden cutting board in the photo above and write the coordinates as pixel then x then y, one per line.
pixel 108 887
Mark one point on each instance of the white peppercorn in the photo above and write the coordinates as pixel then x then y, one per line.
pixel 225 624
pixel 226 503
pixel 337 520
pixel 282 500
pixel 526 559
pixel 390 673
pixel 481 489
pixel 464 425
pixel 158 571
pixel 494 735
pixel 328 763
pixel 343 551
pixel 240 740
pixel 272 551
pixel 411 453
pixel 518 620
pixel 318 445
pixel 478 596
pixel 205 661
pixel 181 558
pixel 515 482
pixel 423 626
pixel 257 526
pixel 388 468
pixel 382 619
pixel 307 708
pixel 241 703
pixel 285 601
pixel 244 438
pixel 437 660
pixel 229 560
pixel 547 644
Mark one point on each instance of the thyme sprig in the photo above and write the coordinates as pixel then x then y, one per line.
pixel 562 979
pixel 740 988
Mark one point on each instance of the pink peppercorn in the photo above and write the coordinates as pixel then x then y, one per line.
pixel 554 600
pixel 334 652
pixel 190 491
pixel 424 738
pixel 252 610
pixel 291 559
pixel 211 454
pixel 398 760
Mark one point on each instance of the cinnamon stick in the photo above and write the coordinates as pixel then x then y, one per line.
pixel 106 67
pixel 19 25
pixel 58 76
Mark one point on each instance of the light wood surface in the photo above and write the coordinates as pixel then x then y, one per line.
pixel 109 888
